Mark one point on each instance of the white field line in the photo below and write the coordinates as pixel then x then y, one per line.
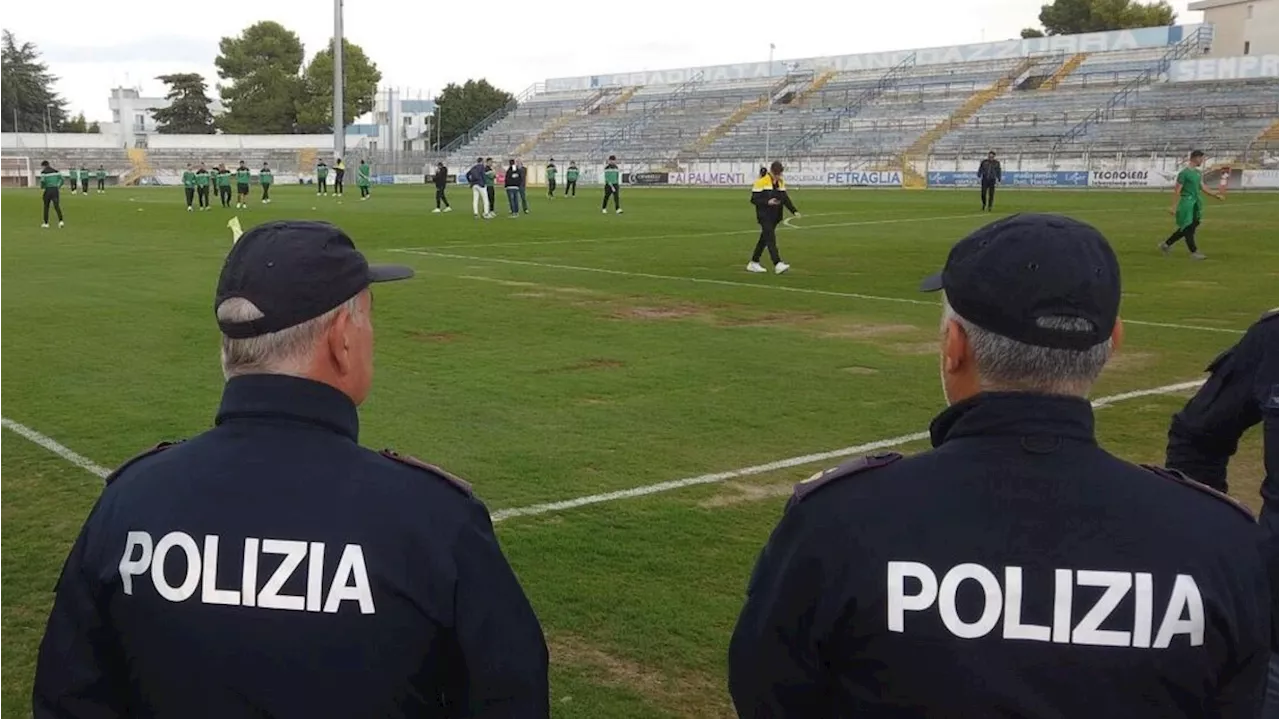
pixel 536 509
pixel 54 446
pixel 732 283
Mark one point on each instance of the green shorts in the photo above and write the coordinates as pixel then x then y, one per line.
pixel 1187 213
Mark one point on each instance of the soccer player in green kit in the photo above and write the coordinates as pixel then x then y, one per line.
pixel 265 179
pixel 612 185
pixel 242 186
pixel 322 179
pixel 50 182
pixel 551 178
pixel 102 180
pixel 222 179
pixel 571 180
pixel 1187 205
pixel 202 187
pixel 189 186
pixel 490 180
pixel 362 179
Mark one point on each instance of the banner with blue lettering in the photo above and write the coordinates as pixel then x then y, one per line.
pixel 1013 178
pixel 864 179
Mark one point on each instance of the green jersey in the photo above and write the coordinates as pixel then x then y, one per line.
pixel 322 172
pixel 242 175
pixel 489 177
pixel 362 175
pixel 264 177
pixel 610 174
pixel 188 179
pixel 571 174
pixel 51 180
pixel 102 174
pixel 1189 179
pixel 202 179
pixel 551 173
pixel 223 178
pixel 84 174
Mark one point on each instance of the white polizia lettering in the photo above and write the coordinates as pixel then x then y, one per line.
pixel 915 587
pixel 199 570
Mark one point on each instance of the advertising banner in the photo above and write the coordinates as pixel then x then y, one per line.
pixel 1259 179
pixel 864 179
pixel 1013 178
pixel 381 180
pixel 710 179
pixel 803 179
pixel 1245 67
pixel 407 179
pixel 1131 178
pixel 645 178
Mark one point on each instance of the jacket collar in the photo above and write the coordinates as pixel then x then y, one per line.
pixel 1015 414
pixel 259 396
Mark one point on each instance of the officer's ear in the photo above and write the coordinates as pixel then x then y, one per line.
pixel 340 341
pixel 1117 336
pixel 955 347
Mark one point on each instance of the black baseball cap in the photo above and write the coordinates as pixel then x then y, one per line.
pixel 294 271
pixel 1010 273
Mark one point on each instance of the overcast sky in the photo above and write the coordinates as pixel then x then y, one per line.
pixel 93 45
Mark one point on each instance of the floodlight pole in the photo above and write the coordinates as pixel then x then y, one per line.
pixel 768 118
pixel 339 130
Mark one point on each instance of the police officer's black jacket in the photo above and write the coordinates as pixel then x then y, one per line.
pixel 272 567
pixel 1240 393
pixel 989 171
pixel 1016 570
pixel 763 190
pixel 441 178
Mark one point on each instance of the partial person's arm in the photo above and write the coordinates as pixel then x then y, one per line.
pixel 80 672
pixel 999 172
pixel 501 642
pixel 776 670
pixel 1204 434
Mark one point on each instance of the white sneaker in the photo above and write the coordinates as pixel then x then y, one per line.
pixel 448 209
pixel 436 211
pixel 781 267
pixel 755 267
pixel 45 226
pixel 619 211
pixel 604 212
pixel 317 194
pixel 61 224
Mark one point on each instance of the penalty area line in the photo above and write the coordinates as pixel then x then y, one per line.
pixel 548 507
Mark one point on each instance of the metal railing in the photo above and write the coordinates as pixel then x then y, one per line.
pixel 886 81
pixel 621 134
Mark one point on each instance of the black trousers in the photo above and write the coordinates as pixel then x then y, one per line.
pixel 203 194
pixel 768 241
pixel 190 192
pixel 440 198
pixel 73 186
pixel 102 183
pixel 322 185
pixel 1187 233
pixel 571 188
pixel 488 190
pixel 266 192
pixel 614 192
pixel 337 181
pixel 224 193
pixel 988 193
pixel 364 190
pixel 551 187
pixel 52 197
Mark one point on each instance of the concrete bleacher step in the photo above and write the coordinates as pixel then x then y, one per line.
pixel 139 166
pixel 722 129
pixel 1270 134
pixel 818 83
pixel 1068 67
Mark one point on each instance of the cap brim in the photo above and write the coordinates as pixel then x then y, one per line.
pixel 389 273
pixel 932 283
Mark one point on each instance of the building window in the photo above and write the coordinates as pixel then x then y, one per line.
pixel 1248 12
pixel 1246 47
pixel 408 145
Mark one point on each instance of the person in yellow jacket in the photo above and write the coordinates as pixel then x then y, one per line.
pixel 769 195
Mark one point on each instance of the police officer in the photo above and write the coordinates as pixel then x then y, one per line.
pixel 988 176
pixel 273 567
pixel 1017 568
pixel 1241 392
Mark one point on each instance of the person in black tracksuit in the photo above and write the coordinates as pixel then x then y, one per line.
pixel 441 181
pixel 989 175
pixel 769 195
pixel 50 182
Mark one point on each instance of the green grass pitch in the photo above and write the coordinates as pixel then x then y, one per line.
pixel 567 354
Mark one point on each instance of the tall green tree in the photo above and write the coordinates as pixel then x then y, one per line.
pixel 1031 32
pixel 462 106
pixel 26 85
pixel 188 111
pixel 75 124
pixel 1067 17
pixel 360 78
pixel 262 65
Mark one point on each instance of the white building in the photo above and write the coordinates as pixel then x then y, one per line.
pixel 399 124
pixel 132 118
pixel 1241 27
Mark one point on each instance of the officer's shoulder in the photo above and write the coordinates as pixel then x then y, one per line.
pixel 439 473
pixel 135 459
pixel 1177 477
pixel 845 471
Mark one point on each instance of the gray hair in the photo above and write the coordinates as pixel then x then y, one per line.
pixel 288 351
pixel 1004 364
